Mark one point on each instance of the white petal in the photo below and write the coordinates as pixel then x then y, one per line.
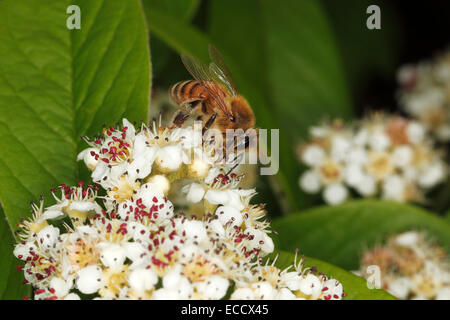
pixel 88 158
pixel 228 213
pixel 217 196
pixel 214 287
pixel 169 157
pixel 195 230
pixel 407 239
pixel 47 237
pixel 310 182
pixel 313 155
pixel 335 194
pixel 402 156
pixel 161 182
pixel 60 286
pixel 310 285
pixel 243 294
pixel 112 255
pixel 172 278
pixel 415 132
pixel 22 251
pixel 432 175
pixel 89 279
pixel 195 192
pixel 285 294
pixel 142 279
pixel 131 131
pixel 264 290
pixel 72 296
pixel 367 186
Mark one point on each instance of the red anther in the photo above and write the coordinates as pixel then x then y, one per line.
pixel 26 298
pixel 80 183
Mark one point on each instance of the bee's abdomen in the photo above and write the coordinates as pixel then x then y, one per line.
pixel 188 90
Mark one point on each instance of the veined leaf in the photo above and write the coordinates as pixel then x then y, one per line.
pixel 58 84
pixel 355 287
pixel 339 234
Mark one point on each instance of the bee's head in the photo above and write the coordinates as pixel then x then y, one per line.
pixel 242 116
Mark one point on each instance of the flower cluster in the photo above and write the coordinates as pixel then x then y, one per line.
pixel 411 267
pixel 123 237
pixel 381 155
pixel 425 93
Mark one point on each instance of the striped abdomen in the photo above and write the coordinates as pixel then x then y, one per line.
pixel 188 91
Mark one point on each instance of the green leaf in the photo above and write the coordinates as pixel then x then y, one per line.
pixel 447 216
pixel 355 287
pixel 11 278
pixel 58 84
pixel 339 234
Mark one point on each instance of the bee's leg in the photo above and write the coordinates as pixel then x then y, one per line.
pixel 210 121
pixel 180 118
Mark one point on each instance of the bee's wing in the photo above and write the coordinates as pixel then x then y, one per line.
pixel 208 80
pixel 220 70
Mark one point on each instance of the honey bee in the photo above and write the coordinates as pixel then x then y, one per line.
pixel 212 96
